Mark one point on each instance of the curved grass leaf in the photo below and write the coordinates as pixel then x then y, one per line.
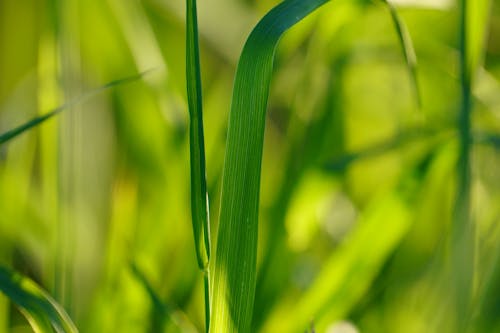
pixel 234 276
pixel 11 134
pixel 199 195
pixel 408 49
pixel 42 312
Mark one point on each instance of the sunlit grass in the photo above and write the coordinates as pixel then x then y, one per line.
pixel 336 204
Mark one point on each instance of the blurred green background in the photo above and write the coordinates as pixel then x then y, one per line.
pixel 358 186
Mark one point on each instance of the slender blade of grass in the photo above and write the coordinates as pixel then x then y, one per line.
pixel 492 139
pixel 235 265
pixel 408 49
pixel 199 207
pixel 13 133
pixel 472 24
pixel 199 195
pixel 351 268
pixel 162 311
pixel 39 308
pixel 408 136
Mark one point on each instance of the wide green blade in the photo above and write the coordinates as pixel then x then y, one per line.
pixel 39 308
pixel 234 276
pixel 11 134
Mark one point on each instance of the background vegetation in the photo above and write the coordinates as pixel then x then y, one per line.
pixel 369 212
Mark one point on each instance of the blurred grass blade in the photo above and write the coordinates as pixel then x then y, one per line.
pixel 408 49
pixel 350 270
pixel 234 276
pixel 39 308
pixel 492 139
pixel 472 29
pixel 406 137
pixel 472 25
pixel 199 195
pixel 477 17
pixel 11 134
pixel 162 311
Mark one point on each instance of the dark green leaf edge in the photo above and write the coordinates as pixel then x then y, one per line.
pixel 36 304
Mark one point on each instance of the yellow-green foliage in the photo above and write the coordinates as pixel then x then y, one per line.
pixel 352 168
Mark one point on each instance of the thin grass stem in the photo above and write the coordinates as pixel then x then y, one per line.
pixel 462 236
pixel 16 131
pixel 199 195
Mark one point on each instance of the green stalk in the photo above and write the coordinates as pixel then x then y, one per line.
pixel 462 241
pixel 199 195
pixel 464 124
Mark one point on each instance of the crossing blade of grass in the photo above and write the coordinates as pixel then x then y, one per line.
pixel 13 133
pixel 42 312
pixel 199 195
pixel 492 139
pixel 408 49
pixel 162 311
pixel 350 270
pixel 408 136
pixel 234 277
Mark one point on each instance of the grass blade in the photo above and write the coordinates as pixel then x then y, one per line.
pixel 472 23
pixel 492 139
pixel 161 311
pixel 13 133
pixel 408 136
pixel 408 49
pixel 39 308
pixel 477 15
pixel 234 276
pixel 199 195
pixel 350 270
